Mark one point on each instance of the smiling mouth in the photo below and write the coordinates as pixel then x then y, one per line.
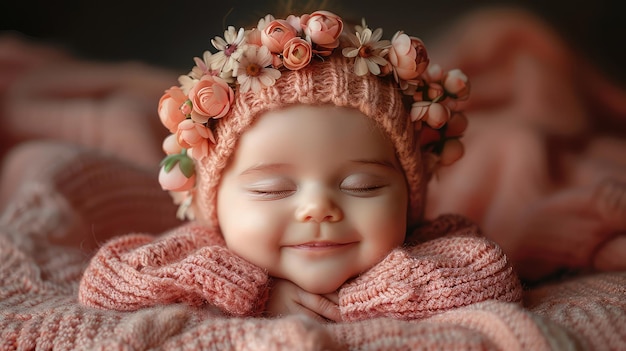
pixel 320 245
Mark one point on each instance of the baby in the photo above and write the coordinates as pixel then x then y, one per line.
pixel 301 152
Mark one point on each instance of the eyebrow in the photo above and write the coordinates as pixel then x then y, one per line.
pixel 265 167
pixel 378 162
pixel 274 167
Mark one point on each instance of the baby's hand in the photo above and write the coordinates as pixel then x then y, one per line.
pixel 287 298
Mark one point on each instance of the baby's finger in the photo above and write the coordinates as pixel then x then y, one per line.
pixel 334 297
pixel 301 310
pixel 320 305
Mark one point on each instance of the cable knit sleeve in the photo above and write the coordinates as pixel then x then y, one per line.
pixel 190 264
pixel 454 267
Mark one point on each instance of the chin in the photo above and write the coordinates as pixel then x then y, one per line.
pixel 321 286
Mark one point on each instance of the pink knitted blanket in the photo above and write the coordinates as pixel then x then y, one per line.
pixel 75 174
pixel 40 272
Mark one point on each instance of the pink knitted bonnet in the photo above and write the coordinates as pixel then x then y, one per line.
pixel 310 60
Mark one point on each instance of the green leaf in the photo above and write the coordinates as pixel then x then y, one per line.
pixel 169 162
pixel 186 166
pixel 185 163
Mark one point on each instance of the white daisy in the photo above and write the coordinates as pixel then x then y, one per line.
pixel 255 71
pixel 230 49
pixel 368 50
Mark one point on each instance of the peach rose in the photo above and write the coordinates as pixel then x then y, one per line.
pixel 175 179
pixel 199 150
pixel 297 53
pixel 323 27
pixel 211 97
pixel 455 82
pixel 169 109
pixel 408 56
pixel 277 34
pixel 190 133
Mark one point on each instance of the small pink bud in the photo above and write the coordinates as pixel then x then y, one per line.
pixel 186 108
pixel 435 91
pixel 456 83
pixel 419 110
pixel 437 115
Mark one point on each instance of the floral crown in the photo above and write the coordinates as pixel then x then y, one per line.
pixel 251 60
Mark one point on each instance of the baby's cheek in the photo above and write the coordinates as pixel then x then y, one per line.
pixel 252 248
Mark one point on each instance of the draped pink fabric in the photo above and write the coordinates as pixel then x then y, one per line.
pixel 544 172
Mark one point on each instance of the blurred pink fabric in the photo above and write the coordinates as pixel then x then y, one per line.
pixel 544 172
pixel 48 94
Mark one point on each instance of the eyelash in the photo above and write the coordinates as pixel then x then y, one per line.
pixel 272 193
pixel 364 189
pixel 279 194
pixel 357 190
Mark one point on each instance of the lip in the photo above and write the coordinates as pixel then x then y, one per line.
pixel 320 245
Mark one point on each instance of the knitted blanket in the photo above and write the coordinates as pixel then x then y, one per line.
pixel 40 272
pixel 76 173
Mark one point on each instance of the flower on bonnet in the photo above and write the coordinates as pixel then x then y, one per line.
pixel 194 136
pixel 456 84
pixel 204 67
pixel 408 56
pixel 252 60
pixel 177 173
pixel 170 108
pixel 276 34
pixel 254 69
pixel 211 98
pixel 323 28
pixel 446 139
pixel 231 48
pixel 368 51
pixel 297 53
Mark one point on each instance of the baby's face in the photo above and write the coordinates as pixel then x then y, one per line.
pixel 314 195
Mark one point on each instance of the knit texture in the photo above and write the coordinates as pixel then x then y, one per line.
pixel 43 262
pixel 457 269
pixel 330 82
pixel 93 187
pixel 192 265
pixel 592 307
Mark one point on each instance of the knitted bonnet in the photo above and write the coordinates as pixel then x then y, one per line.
pixel 305 60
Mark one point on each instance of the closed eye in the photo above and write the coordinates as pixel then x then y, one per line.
pixel 270 194
pixel 365 191
pixel 363 184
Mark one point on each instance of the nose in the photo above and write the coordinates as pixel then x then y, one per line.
pixel 315 206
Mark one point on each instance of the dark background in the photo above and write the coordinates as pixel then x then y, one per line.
pixel 170 33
